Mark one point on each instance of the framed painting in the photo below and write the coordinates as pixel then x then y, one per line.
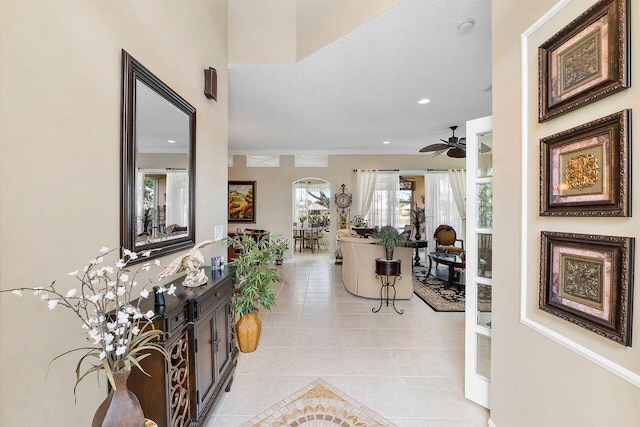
pixel 585 61
pixel 585 171
pixel 588 280
pixel 242 201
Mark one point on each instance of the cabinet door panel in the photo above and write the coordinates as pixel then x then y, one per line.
pixel 205 375
pixel 222 352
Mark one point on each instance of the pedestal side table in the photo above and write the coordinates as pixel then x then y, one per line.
pixel 386 269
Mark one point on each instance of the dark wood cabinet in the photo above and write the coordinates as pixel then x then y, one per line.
pixel 181 391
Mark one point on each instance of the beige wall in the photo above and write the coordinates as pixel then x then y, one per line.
pixel 536 381
pixel 162 161
pixel 262 31
pixel 274 186
pixel 322 21
pixel 60 166
pixel 286 31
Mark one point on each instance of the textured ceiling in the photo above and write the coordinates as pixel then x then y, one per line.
pixel 363 88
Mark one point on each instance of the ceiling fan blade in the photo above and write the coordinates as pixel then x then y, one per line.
pixel 458 153
pixel 437 153
pixel 446 142
pixel 484 148
pixel 434 147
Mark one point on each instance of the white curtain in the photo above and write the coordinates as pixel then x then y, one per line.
pixel 440 205
pixel 458 179
pixel 139 202
pixel 365 187
pixel 384 204
pixel 177 198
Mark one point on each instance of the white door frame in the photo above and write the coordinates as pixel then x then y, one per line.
pixel 477 387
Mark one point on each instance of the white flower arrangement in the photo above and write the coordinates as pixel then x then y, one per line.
pixel 120 334
pixel 359 221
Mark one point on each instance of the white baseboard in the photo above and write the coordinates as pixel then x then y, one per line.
pixel 490 423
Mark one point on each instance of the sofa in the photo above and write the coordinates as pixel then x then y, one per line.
pixel 359 266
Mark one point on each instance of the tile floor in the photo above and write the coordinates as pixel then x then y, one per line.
pixel 409 368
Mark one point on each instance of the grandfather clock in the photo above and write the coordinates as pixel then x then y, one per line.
pixel 343 205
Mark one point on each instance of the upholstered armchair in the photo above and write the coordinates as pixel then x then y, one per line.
pixel 446 239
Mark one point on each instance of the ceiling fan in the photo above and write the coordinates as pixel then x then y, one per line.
pixel 454 147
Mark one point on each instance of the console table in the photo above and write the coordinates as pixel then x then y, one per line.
pixel 385 269
pixel 181 391
pixel 417 244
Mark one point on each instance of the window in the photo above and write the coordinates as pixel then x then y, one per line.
pixel 263 161
pixel 311 161
pixel 311 202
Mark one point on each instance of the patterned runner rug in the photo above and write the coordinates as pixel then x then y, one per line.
pixel 319 404
pixel 439 296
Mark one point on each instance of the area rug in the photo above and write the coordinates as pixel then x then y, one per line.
pixel 441 297
pixel 319 404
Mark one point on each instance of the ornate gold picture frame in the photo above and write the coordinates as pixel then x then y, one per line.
pixel 584 171
pixel 588 280
pixel 242 201
pixel 585 61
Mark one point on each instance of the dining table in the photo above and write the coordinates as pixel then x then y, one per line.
pixel 304 234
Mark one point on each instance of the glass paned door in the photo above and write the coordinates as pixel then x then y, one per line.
pixel 479 260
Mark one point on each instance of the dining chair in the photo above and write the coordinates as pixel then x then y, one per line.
pixel 311 239
pixel 298 236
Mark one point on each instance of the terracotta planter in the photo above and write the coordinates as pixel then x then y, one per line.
pixel 121 408
pixel 248 332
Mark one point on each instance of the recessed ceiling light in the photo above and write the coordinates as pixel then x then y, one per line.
pixel 386 142
pixel 424 101
pixel 171 141
pixel 466 25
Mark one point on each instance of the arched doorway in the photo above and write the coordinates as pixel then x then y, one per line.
pixel 311 215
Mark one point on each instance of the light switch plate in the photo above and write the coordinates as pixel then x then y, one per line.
pixel 218 232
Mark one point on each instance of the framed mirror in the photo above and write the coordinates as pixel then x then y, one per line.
pixel 158 164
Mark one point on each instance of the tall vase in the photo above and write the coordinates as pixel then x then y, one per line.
pixel 248 332
pixel 389 251
pixel 121 408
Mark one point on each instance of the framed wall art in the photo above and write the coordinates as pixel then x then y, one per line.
pixel 588 280
pixel 585 61
pixel 242 201
pixel 585 171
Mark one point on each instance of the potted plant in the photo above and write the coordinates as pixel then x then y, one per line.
pixel 388 237
pixel 254 275
pixel 417 218
pixel 358 221
pixel 119 335
pixel 282 245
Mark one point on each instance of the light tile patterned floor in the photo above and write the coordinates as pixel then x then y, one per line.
pixel 408 368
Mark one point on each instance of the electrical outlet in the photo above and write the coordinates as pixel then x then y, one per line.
pixel 218 232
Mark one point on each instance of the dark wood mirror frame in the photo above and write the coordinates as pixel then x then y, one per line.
pixel 133 71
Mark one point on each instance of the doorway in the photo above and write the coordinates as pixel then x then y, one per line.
pixel 311 217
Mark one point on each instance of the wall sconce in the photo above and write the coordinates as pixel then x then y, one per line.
pixel 211 84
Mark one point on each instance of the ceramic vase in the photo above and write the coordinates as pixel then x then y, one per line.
pixel 248 332
pixel 121 408
pixel 389 252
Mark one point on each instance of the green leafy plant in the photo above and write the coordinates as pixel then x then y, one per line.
pixel 119 333
pixel 254 272
pixel 389 237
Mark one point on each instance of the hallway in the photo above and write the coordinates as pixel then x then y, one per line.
pixel 409 368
